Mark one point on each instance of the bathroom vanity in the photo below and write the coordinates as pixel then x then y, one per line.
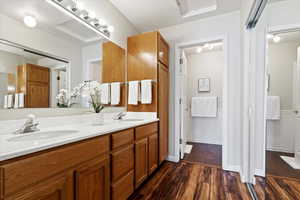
pixel 107 162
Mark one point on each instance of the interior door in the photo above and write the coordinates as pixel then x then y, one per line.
pixel 184 105
pixel 296 95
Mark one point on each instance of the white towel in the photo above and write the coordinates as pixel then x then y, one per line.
pixel 21 100
pixel 273 108
pixel 146 91
pixel 105 93
pixel 115 90
pixel 204 106
pixel 16 103
pixel 9 101
pixel 5 106
pixel 133 92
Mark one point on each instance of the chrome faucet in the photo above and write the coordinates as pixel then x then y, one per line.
pixel 29 126
pixel 120 116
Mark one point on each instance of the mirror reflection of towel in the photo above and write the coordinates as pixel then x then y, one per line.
pixel 115 90
pixel 146 91
pixel 133 92
pixel 16 104
pixel 105 93
pixel 21 100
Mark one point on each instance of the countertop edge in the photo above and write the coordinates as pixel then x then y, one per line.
pixel 12 155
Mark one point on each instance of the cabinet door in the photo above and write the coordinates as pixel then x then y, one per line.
pixel 58 188
pixel 163 50
pixel 37 95
pixel 163 111
pixel 153 152
pixel 92 180
pixel 141 161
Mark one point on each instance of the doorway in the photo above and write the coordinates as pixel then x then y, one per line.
pixel 282 96
pixel 202 101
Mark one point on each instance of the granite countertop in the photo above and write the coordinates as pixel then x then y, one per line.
pixel 10 147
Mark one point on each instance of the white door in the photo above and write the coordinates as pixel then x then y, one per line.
pixel 296 100
pixel 184 104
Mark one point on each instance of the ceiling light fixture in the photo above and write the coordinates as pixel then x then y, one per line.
pixel 199 49
pixel 30 21
pixel 85 17
pixel 276 39
pixel 270 36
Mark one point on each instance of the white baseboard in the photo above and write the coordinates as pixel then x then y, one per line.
pixel 172 158
pixel 279 150
pixel 259 172
pixel 204 142
pixel 233 168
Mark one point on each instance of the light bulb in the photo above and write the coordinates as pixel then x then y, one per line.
pixel 110 29
pixel 276 39
pixel 199 49
pixel 102 22
pixel 270 36
pixel 30 21
pixel 92 15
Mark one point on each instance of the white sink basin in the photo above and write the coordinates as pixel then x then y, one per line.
pixel 41 135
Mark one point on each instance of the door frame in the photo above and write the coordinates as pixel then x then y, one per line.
pixel 177 121
pixel 280 28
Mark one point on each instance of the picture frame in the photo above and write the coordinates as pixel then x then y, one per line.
pixel 204 85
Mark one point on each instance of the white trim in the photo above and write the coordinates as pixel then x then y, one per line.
pixel 260 172
pixel 199 11
pixel 201 141
pixel 276 149
pixel 233 168
pixel 173 158
pixel 178 48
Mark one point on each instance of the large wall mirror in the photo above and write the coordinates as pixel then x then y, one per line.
pixel 46 53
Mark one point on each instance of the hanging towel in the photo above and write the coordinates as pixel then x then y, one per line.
pixel 204 106
pixel 21 100
pixel 146 91
pixel 115 90
pixel 273 108
pixel 16 103
pixel 9 101
pixel 133 92
pixel 5 106
pixel 105 93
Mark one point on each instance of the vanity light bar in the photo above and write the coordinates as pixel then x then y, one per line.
pixel 102 30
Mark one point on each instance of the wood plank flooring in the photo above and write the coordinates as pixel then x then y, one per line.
pixel 189 181
pixel 275 166
pixel 277 188
pixel 210 154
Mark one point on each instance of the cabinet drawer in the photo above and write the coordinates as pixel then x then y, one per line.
pixel 123 188
pixel 144 131
pixel 121 138
pixel 20 174
pixel 122 162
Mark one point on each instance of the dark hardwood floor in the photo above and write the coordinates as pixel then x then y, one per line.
pixel 275 166
pixel 189 181
pixel 277 188
pixel 209 154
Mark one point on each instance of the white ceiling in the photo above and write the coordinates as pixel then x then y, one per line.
pixel 147 15
pixel 49 19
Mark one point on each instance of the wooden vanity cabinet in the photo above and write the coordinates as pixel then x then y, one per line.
pixel 92 180
pixel 154 66
pixel 100 168
pixel 122 164
pixel 146 152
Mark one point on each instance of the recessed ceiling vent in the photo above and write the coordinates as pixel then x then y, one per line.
pixel 191 8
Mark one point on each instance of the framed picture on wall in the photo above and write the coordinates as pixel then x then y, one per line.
pixel 203 85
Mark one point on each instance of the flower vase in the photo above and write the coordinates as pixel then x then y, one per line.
pixel 99 119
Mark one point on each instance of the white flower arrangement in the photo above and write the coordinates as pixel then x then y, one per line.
pixel 63 99
pixel 91 89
